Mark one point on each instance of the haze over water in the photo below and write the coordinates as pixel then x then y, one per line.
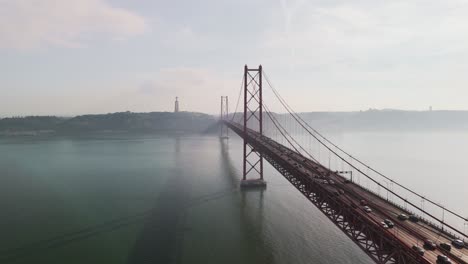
pixel 176 199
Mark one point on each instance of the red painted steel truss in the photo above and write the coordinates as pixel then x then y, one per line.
pixel 383 247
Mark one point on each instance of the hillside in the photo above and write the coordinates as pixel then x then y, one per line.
pixel 189 122
pixel 159 122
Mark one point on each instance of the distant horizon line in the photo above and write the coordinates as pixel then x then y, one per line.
pixel 299 112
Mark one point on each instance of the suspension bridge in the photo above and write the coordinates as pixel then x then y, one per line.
pixel 402 226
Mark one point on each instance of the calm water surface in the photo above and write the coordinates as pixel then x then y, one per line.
pixel 176 199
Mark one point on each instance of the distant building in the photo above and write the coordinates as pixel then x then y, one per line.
pixel 176 105
pixel 430 108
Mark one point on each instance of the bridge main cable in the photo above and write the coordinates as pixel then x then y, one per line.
pixel 301 123
pixel 238 98
pixel 284 132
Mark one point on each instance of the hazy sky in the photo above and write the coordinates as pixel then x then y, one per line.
pixel 72 57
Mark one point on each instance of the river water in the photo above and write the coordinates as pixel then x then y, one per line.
pixel 161 199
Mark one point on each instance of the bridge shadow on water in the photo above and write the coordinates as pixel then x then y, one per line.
pixel 160 240
pixel 250 217
pixel 47 245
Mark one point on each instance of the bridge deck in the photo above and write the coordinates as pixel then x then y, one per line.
pixel 309 178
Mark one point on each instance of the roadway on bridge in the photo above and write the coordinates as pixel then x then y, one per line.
pixel 408 232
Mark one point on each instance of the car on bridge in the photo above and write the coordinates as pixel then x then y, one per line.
pixel 445 246
pixel 403 217
pixel 442 259
pixel 413 218
pixel 418 249
pixel 429 244
pixel 389 223
pixel 384 225
pixel 458 243
pixel 367 209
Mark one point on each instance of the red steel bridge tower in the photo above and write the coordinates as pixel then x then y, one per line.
pixel 252 175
